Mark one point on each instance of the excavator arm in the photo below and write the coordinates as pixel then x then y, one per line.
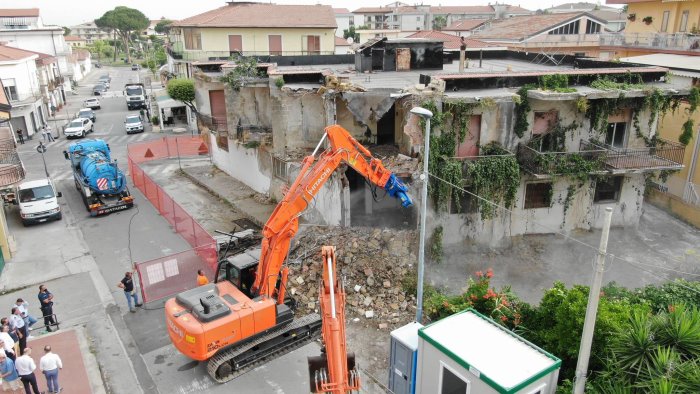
pixel 334 371
pixel 284 221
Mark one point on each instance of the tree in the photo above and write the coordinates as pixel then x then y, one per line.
pixel 181 89
pixel 66 31
pixel 163 26
pixel 439 22
pixel 98 48
pixel 160 56
pixel 124 21
pixel 246 69
pixel 351 33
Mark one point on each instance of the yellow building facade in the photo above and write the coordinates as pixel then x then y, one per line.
pixel 666 16
pixel 260 41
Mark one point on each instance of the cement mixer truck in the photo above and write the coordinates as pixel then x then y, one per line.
pixel 101 184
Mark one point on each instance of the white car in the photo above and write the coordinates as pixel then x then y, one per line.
pixel 93 103
pixel 78 128
pixel 133 124
pixel 37 201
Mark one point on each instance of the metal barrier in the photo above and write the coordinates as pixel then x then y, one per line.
pixel 165 276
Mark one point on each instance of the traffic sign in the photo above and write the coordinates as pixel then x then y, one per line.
pixel 41 148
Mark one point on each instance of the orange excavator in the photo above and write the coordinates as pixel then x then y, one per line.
pixel 246 318
pixel 334 370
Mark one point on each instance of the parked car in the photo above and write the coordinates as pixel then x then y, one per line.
pixel 99 89
pixel 98 65
pixel 93 103
pixel 104 81
pixel 37 201
pixel 78 128
pixel 135 67
pixel 106 76
pixel 133 124
pixel 87 113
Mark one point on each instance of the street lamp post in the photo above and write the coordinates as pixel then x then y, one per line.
pixel 425 115
pixel 42 149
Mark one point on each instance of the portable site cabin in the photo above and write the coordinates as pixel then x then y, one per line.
pixel 470 353
pixel 403 359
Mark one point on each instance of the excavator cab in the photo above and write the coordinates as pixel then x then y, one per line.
pixel 240 270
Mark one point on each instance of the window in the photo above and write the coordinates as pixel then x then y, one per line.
pixel 615 135
pixel 664 21
pixel 538 195
pixel 543 124
pixel 275 44
pixel 451 382
pixel 10 89
pixel 418 19
pixel 539 390
pixel 313 45
pixel 279 168
pixel 569 28
pixel 193 38
pixel 592 27
pixel 608 189
pixel 684 21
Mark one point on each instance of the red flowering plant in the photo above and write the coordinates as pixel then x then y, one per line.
pixel 502 306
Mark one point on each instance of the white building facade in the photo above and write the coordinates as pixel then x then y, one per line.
pixel 19 75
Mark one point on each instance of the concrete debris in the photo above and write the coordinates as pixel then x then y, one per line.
pixel 380 259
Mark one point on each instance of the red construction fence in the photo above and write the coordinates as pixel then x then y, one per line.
pixel 169 275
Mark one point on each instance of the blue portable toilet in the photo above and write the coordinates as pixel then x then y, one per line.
pixel 404 358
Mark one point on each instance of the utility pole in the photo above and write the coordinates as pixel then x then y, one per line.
pixel 584 352
pixel 41 149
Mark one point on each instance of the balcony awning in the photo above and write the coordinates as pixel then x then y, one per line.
pixel 165 101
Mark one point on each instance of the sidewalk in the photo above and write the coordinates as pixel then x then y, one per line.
pixel 231 191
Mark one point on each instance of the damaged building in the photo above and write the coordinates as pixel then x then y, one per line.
pixel 555 143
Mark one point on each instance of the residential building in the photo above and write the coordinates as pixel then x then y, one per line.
pixel 75 41
pixel 547 34
pixel 570 150
pixel 24 28
pixel 90 32
pixel 655 26
pixel 680 192
pixel 346 19
pixel 615 17
pixel 151 29
pixel 342 46
pixel 11 169
pixel 254 29
pixel 19 74
pixel 404 17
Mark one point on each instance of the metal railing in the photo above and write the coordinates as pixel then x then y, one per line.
pixel 11 174
pixel 665 155
pixel 229 55
pixel 691 193
pixel 552 163
pixel 671 41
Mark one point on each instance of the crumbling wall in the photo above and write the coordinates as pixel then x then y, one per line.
pixel 251 105
pixel 203 84
pixel 246 165
pixel 366 109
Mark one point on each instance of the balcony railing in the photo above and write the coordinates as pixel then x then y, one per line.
pixel 657 41
pixel 213 123
pixel 666 155
pixel 228 55
pixel 556 163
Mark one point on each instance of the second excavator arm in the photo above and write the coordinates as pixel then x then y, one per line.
pixel 284 221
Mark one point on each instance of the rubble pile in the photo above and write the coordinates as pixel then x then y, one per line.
pixel 372 264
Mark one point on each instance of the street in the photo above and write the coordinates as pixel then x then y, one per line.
pixel 82 259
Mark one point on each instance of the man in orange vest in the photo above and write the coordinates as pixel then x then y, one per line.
pixel 201 278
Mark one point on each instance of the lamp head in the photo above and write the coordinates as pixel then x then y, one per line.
pixel 422 112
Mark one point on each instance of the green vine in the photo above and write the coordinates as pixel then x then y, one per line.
pixel 436 245
pixel 570 191
pixel 522 109
pixel 556 83
pixel 687 129
pixel 496 178
pixel 687 132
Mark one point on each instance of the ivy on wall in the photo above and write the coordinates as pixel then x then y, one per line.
pixel 689 126
pixel 496 178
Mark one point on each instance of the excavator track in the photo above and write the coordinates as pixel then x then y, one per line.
pixel 235 361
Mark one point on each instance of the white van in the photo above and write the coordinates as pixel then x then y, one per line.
pixel 37 201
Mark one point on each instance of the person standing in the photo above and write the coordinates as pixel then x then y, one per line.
pixel 20 136
pixel 25 368
pixel 19 327
pixel 23 307
pixel 49 364
pixel 127 283
pixel 8 374
pixel 8 344
pixel 49 133
pixel 46 302
pixel 43 134
pixel 201 278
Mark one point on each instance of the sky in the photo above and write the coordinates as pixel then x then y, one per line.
pixel 73 12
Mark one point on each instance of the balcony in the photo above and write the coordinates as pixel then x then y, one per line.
pixel 11 167
pixel 676 42
pixel 192 56
pixel 545 164
pixel 666 155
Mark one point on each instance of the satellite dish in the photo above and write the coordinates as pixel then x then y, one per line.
pixel 350 40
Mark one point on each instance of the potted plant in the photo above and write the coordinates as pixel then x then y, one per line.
pixel 632 17
pixel 648 20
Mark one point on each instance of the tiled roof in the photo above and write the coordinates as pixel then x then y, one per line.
pixel 81 54
pixel 465 24
pixel 450 41
pixel 264 15
pixel 521 27
pixel 341 42
pixel 341 10
pixel 73 38
pixel 471 9
pixel 19 12
pixel 373 10
pixel 514 9
pixel 628 1
pixel 609 16
pixel 10 53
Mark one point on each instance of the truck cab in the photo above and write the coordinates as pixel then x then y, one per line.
pixel 240 270
pixel 37 201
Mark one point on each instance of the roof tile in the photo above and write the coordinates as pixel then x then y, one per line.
pixel 521 27
pixel 465 25
pixel 264 15
pixel 33 12
pixel 450 41
pixel 10 53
